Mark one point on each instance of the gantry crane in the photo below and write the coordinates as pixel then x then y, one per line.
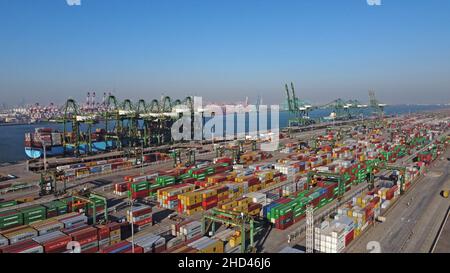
pixel 93 200
pixel 74 118
pixel 244 222
pixel 176 155
pixel 339 178
pixel 48 184
pixel 298 108
pixel 236 152
pixel 382 165
pixel 376 105
pixel 341 109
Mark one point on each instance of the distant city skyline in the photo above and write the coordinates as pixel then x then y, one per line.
pixel 225 51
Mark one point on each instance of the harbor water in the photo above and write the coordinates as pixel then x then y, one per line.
pixel 12 137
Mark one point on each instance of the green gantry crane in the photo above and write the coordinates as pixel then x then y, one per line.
pixel 382 165
pixel 376 105
pixel 254 145
pixel 75 118
pixel 339 178
pixel 190 157
pixel 298 108
pixel 244 222
pixel 91 199
pixel 48 184
pixel 176 155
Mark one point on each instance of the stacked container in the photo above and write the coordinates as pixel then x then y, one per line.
pixel 53 242
pixel 141 216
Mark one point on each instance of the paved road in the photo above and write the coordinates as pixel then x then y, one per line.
pixel 443 243
pixel 413 227
pixel 277 239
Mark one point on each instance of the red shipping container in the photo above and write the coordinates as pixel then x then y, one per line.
pixel 299 218
pixel 19 247
pixel 91 250
pixel 143 222
pixel 52 214
pixel 211 201
pixel 137 249
pixel 349 237
pixel 254 206
pixel 210 206
pixel 141 194
pixel 58 245
pixel 102 232
pixel 253 181
pixel 113 226
pixel 194 206
pixel 375 201
pixel 87 232
pixel 180 207
pixel 86 240
pixel 143 211
pixel 159 249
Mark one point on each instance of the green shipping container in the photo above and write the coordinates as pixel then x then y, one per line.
pixel 163 180
pixel 58 206
pixel 8 204
pixel 210 170
pixel 10 219
pixel 33 214
pixel 201 176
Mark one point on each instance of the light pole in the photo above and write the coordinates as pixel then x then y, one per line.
pixel 44 145
pixel 142 157
pixel 132 224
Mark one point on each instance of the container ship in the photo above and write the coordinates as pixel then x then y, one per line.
pixel 54 144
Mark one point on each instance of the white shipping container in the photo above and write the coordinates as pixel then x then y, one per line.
pixel 36 249
pixel 19 237
pixel 104 242
pixel 62 168
pixel 42 239
pixel 74 220
pixel 49 228
pixel 3 241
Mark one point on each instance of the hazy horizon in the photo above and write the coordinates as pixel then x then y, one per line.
pixel 225 51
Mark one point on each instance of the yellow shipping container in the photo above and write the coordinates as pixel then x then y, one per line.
pixel 16 231
pixel 208 193
pixel 235 240
pixel 229 205
pixel 190 198
pixel 193 211
pixel 113 242
pixel 350 213
pixel 216 247
pixel 244 201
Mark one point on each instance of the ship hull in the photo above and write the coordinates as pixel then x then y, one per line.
pixel 101 146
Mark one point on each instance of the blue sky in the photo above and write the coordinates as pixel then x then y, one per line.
pixel 225 50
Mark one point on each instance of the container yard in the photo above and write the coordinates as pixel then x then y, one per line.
pixel 236 198
pixel 224 135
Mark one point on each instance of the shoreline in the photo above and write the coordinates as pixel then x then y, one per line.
pixel 24 161
pixel 23 123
